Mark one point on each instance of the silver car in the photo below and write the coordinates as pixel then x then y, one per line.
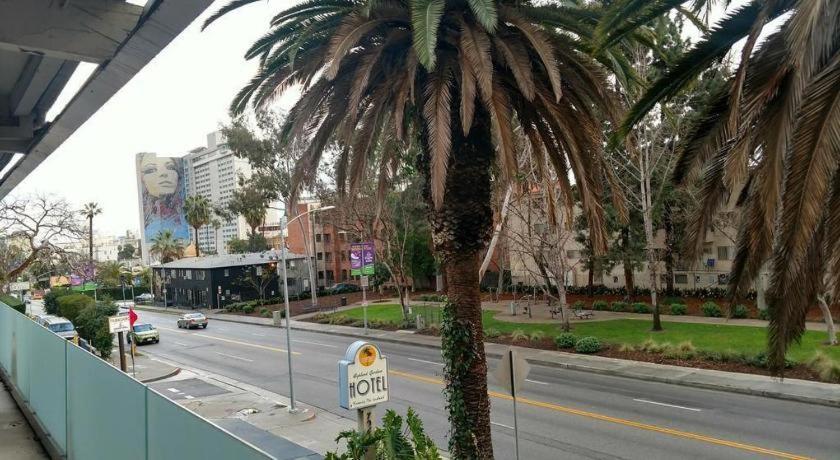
pixel 191 320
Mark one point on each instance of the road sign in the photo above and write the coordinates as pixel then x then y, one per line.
pixel 19 286
pixel 119 323
pixel 362 376
pixel 365 281
pixel 503 373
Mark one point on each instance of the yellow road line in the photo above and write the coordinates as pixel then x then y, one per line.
pixel 620 421
pixel 247 344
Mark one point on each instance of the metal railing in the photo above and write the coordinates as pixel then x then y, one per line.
pixel 87 409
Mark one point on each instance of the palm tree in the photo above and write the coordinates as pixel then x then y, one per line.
pixel 89 211
pixel 198 212
pixel 166 247
pixel 455 78
pixel 771 139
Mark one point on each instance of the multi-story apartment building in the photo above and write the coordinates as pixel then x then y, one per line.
pixel 106 247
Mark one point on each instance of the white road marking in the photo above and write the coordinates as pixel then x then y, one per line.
pixel 189 396
pixel 537 382
pixel 424 361
pixel 258 335
pixel 181 344
pixel 174 390
pixel 315 343
pixel 235 357
pixel 502 425
pixel 668 405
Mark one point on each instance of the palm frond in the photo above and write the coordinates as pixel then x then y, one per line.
pixel 475 47
pixel 485 13
pixel 436 112
pixel 468 94
pixel 345 38
pixel 516 58
pixel 541 46
pixel 235 4
pixel 425 20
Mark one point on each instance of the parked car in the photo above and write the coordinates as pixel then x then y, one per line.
pixel 61 327
pixel 191 320
pixel 145 297
pixel 143 333
pixel 342 288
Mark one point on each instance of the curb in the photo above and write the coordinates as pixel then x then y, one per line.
pixel 581 368
pixel 163 377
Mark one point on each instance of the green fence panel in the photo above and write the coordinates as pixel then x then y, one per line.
pixel 22 350
pixel 48 377
pixel 6 324
pixel 178 434
pixel 106 410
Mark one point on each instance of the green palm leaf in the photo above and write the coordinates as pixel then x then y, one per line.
pixel 425 20
pixel 235 4
pixel 485 13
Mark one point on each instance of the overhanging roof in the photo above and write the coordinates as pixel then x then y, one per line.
pixel 229 260
pixel 42 42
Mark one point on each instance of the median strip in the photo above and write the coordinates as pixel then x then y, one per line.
pixel 620 421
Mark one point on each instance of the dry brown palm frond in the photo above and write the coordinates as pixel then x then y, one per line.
pixel 475 46
pixel 341 170
pixel 346 37
pixel 362 77
pixel 832 237
pixel 516 58
pixel 502 121
pixel 436 113
pixel 468 88
pixel 542 47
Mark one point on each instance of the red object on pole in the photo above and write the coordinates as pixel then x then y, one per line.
pixel 132 317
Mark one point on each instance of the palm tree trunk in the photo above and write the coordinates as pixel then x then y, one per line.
pixel 90 238
pixel 197 252
pixel 670 243
pixel 461 226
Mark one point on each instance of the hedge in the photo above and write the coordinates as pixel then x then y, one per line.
pixel 13 302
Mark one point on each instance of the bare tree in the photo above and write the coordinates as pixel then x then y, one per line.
pixel 31 227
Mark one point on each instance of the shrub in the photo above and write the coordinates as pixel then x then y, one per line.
pixel 626 347
pixel 13 302
pixel 565 340
pixel 536 336
pixel 71 305
pixel 579 305
pixel 588 345
pixel 825 367
pixel 265 312
pixel 340 319
pixel 410 441
pixel 92 325
pixel 51 300
pixel 619 306
pixel 740 311
pixel 248 308
pixel 641 307
pixel 518 334
pixel 671 300
pixel 764 314
pixel 678 309
pixel 492 333
pixel 711 309
pixel 320 318
pixel 600 305
pixel 432 298
pixel 760 360
pixel 651 346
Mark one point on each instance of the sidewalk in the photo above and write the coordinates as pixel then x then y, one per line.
pixel 758 385
pixel 17 439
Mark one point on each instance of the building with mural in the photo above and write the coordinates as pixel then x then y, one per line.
pixel 161 192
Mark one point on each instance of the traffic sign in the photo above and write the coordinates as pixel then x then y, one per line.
pixel 119 323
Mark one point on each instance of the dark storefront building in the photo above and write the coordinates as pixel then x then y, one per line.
pixel 215 281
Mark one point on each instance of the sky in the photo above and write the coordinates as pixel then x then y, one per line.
pixel 169 107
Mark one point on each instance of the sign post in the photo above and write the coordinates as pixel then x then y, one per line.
pixel 363 383
pixel 511 372
pixel 365 282
pixel 120 325
pixel 362 263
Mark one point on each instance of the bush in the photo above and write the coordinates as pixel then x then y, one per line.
pixel 579 305
pixel 678 309
pixel 588 345
pixel 518 334
pixel 600 305
pixel 432 298
pixel 247 308
pixel 321 318
pixel 740 311
pixel 13 302
pixel 619 306
pixel 536 336
pixel 265 312
pixel 565 340
pixel 390 441
pixel 764 314
pixel 626 347
pixel 641 307
pixel 671 300
pixel 825 367
pixel 492 333
pixel 92 325
pixel 71 305
pixel 760 360
pixel 711 310
pixel 51 300
pixel 651 346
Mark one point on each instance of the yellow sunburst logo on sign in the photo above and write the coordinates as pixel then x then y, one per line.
pixel 367 356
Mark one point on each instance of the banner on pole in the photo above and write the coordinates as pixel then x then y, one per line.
pixel 362 258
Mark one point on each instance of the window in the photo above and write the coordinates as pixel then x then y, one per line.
pixel 320 275
pixel 290 264
pixel 707 249
pixel 343 256
pixel 318 237
pixel 342 237
pixel 227 273
pixel 320 256
pixel 343 275
pixel 681 279
pixel 328 257
pixel 330 275
pixel 259 270
pixel 187 274
pixel 200 275
pixel 723 252
pixel 327 238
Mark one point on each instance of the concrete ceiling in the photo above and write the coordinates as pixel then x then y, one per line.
pixel 42 42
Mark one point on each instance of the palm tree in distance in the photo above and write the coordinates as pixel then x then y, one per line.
pixel 771 139
pixel 90 210
pixel 166 247
pixel 455 78
pixel 199 213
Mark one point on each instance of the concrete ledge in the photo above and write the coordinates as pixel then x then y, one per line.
pixel 46 440
pixel 163 377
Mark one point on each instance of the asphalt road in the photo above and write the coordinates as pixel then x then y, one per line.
pixel 562 413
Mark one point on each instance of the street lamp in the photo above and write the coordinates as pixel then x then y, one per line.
pixel 292 407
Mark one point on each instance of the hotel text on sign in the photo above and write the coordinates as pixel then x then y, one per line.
pixel 362 376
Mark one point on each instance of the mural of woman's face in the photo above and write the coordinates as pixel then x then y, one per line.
pixel 160 176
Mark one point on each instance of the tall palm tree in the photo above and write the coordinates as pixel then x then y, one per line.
pixel 90 210
pixel 454 77
pixel 771 139
pixel 199 213
pixel 166 247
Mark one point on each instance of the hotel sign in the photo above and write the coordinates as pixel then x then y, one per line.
pixel 362 376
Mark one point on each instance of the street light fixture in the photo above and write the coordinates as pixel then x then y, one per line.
pixel 292 407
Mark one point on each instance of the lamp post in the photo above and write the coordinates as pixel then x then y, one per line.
pixel 285 286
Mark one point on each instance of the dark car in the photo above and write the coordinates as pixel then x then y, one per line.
pixel 342 288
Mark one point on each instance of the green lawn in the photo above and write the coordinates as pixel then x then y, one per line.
pixel 711 337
